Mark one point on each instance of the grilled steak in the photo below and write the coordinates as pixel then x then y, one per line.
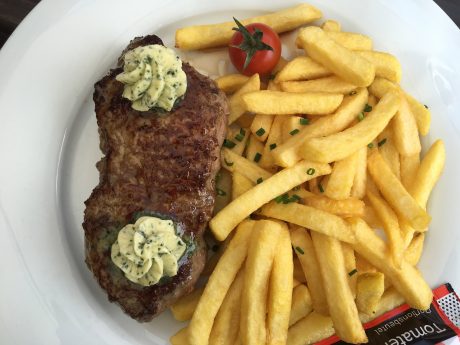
pixel 156 164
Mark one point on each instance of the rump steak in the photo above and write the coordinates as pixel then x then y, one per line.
pixel 161 164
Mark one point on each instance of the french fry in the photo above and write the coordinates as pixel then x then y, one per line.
pixel 369 290
pixel 245 120
pixel 217 35
pixel 342 307
pixel 281 291
pixel 351 41
pixel 350 266
pixel 343 62
pixel 301 68
pixel 390 300
pixel 363 266
pixel 370 217
pixel 224 184
pixel 231 82
pixel 311 329
pixel 226 220
pixel 340 145
pixel 311 218
pixel 288 154
pixel 386 65
pixel 295 282
pixel 381 86
pixel 303 246
pixel 341 178
pixel 405 132
pixel 414 250
pixel 241 184
pixel 285 103
pixel 407 280
pixel 180 338
pixel 390 223
pixel 298 272
pixel 409 167
pixel 395 193
pixel 358 190
pixel 237 107
pixel 387 149
pixel 234 162
pixel 344 208
pixel 331 25
pixel 301 304
pixel 218 284
pixel 184 307
pixel 327 84
pixel 291 127
pixel 239 136
pixel 227 321
pixel 279 66
pixel 372 101
pixel 259 263
pixel 261 125
pixel 274 139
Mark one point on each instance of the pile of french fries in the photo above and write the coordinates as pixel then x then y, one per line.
pixel 322 158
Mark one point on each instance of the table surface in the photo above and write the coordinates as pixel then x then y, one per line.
pixel 12 12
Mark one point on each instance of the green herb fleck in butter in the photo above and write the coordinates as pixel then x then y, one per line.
pixel 148 250
pixel 153 77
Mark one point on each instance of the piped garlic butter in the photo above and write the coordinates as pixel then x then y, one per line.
pixel 153 77
pixel 148 250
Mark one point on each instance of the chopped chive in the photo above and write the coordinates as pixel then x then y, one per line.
pixel 228 143
pixel 260 180
pixel 310 171
pixel 220 192
pixel 272 146
pixel 360 116
pixel 368 108
pixel 239 137
pixel 294 132
pixel 257 157
pixel 425 106
pixel 299 250
pixel 352 272
pixel 370 145
pixel 382 142
pixel 304 122
pixel 320 187
pixel 284 198
pixel 352 93
pixel 242 131
pixel 260 132
pixel 227 162
pixel 294 198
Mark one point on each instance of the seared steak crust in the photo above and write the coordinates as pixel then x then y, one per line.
pixel 162 164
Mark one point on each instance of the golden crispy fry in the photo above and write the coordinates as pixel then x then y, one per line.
pixel 344 208
pixel 227 321
pixel 381 86
pixel 184 307
pixel 254 149
pixel 241 184
pixel 274 139
pixel 395 193
pixel 390 223
pixel 303 246
pixel 407 280
pixel 218 284
pixel 280 294
pixel 224 183
pixel 342 307
pixel 358 190
pixel 331 25
pixel 180 338
pixel 217 35
pixel 301 68
pixel 239 136
pixel 405 132
pixel 259 263
pixel 390 300
pixel 370 288
pixel 245 120
pixel 414 250
pixel 343 62
pixel 226 220
pixel 370 217
pixel 351 41
pixel 387 149
pixel 291 127
pixel 295 282
pixel 340 145
pixel 386 65
pixel 311 329
pixel 409 167
pixel 285 103
pixel 231 82
pixel 327 84
pixel 233 162
pixel 363 266
pixel 237 107
pixel 310 218
pixel 298 272
pixel 288 153
pixel 341 178
pixel 301 304
pixel 372 101
pixel 261 125
pixel 350 266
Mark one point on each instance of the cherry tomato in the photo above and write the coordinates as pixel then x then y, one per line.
pixel 258 46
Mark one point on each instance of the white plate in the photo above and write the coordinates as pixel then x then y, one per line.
pixel 49 145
